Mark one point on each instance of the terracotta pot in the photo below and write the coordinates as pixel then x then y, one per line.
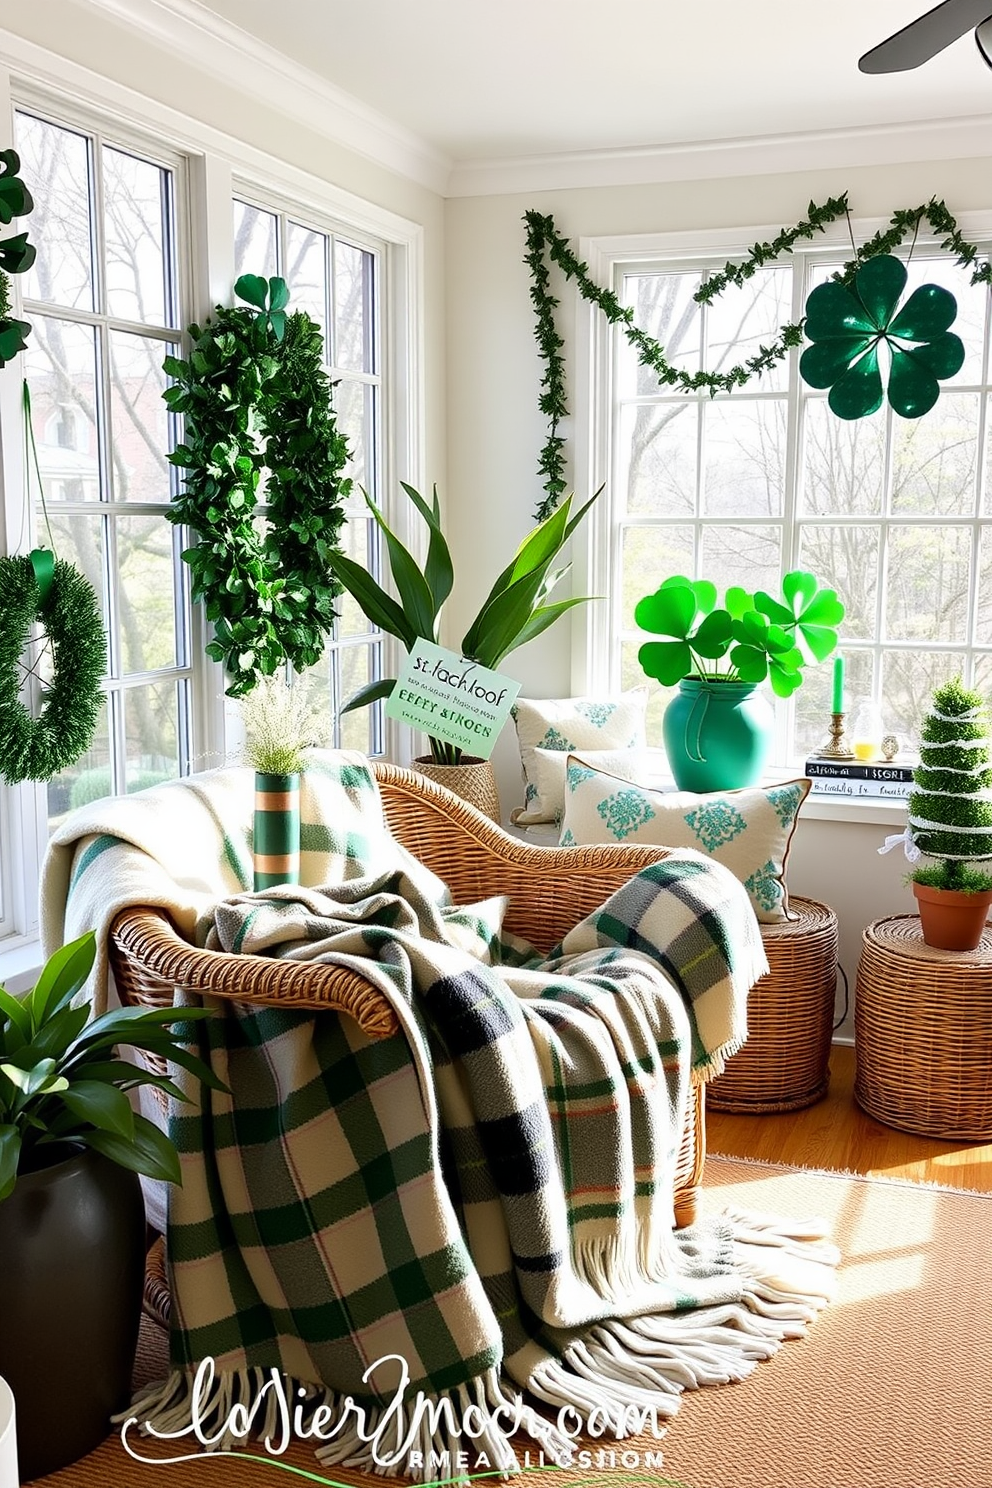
pixel 951 920
pixel 474 780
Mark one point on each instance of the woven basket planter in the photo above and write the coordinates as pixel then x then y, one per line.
pixel 923 1032
pixel 473 780
pixel 785 1063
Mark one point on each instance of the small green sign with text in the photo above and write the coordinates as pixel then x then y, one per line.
pixel 452 698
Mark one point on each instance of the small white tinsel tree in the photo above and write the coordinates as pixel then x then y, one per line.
pixel 950 807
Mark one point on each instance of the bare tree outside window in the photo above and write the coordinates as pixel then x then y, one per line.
pixel 894 514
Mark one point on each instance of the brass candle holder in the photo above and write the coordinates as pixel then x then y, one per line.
pixel 836 748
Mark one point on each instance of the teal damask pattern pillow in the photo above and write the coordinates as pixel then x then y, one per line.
pixel 748 831
pixel 609 732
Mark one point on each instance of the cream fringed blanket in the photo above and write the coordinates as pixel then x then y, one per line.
pixel 430 1232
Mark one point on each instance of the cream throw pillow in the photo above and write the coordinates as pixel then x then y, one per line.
pixel 748 831
pixel 558 725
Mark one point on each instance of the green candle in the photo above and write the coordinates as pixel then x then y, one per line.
pixel 838 703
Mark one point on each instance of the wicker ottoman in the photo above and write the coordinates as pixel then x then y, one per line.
pixel 923 1032
pixel 790 1014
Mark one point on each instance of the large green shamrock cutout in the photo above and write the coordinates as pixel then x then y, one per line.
pixel 847 325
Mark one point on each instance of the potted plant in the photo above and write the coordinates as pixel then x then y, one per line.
pixel 717 729
pixel 517 608
pixel 281 722
pixel 950 819
pixel 72 1219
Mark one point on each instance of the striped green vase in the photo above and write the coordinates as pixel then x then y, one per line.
pixel 276 842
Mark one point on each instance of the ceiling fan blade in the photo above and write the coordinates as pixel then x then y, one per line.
pixel 923 38
pixel 983 35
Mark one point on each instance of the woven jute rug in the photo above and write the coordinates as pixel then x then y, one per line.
pixel 890 1388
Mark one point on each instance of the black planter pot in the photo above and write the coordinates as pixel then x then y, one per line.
pixel 71 1266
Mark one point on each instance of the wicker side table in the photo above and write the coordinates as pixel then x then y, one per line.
pixel 790 1012
pixel 923 1032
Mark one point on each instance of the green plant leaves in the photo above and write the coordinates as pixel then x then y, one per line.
pixel 256 399
pixel 10 1152
pixel 757 634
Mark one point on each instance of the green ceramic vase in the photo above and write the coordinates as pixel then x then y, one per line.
pixel 717 735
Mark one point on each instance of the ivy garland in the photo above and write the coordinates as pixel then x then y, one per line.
pixel 256 398
pixel 16 253
pixel 545 243
pixel 38 748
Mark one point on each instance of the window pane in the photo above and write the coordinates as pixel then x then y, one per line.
pixel 353 407
pixel 356 538
pixel 55 163
pixel 135 226
pixel 664 307
pixel 751 556
pixel 306 273
pixel 255 241
pixel 813 701
pixel 356 671
pixel 845 558
pixel 139 420
pixel 632 675
pixel 744 462
pixel 927 587
pixel 61 368
pixel 146 594
pixel 80 538
pixel 972 300
pixel 934 459
pixel 983 629
pixel 651 555
pixel 740 321
pixel 354 346
pixel 87 779
pixel 908 680
pixel 844 462
pixel 659 451
pixel 151 733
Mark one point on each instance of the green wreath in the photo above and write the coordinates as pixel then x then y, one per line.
pixel 255 398
pixel 38 748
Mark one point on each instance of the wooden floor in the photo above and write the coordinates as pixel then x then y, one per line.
pixel 835 1133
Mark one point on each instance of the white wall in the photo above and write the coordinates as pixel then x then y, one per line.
pixel 121 62
pixel 495 431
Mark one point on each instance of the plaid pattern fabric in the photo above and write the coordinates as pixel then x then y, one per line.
pixel 468 1194
pixel 479 1204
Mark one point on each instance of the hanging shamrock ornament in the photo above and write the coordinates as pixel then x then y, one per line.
pixel 848 323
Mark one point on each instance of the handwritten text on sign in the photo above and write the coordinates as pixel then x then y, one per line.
pixel 452 698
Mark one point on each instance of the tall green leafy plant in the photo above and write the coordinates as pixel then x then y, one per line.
pixel 750 638
pixel 517 608
pixel 61 1079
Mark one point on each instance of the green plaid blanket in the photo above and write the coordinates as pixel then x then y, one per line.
pixel 424 1233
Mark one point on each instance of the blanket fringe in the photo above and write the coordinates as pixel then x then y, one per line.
pixel 620 1378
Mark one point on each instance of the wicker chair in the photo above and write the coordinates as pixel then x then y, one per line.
pixel 549 890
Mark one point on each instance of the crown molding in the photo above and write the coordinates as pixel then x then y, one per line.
pixel 887 144
pixel 203 40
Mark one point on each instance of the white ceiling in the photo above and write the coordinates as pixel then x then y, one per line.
pixel 488 80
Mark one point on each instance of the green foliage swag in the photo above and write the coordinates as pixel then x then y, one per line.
pixel 38 748
pixel 16 253
pixel 950 810
pixel 546 244
pixel 255 398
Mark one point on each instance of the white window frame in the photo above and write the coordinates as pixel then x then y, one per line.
pixel 597 553
pixel 59 88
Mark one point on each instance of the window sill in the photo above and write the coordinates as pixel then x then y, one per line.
pixel 20 964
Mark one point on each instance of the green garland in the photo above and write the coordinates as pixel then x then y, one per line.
pixel 544 243
pixel 255 398
pixel 16 253
pixel 38 748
